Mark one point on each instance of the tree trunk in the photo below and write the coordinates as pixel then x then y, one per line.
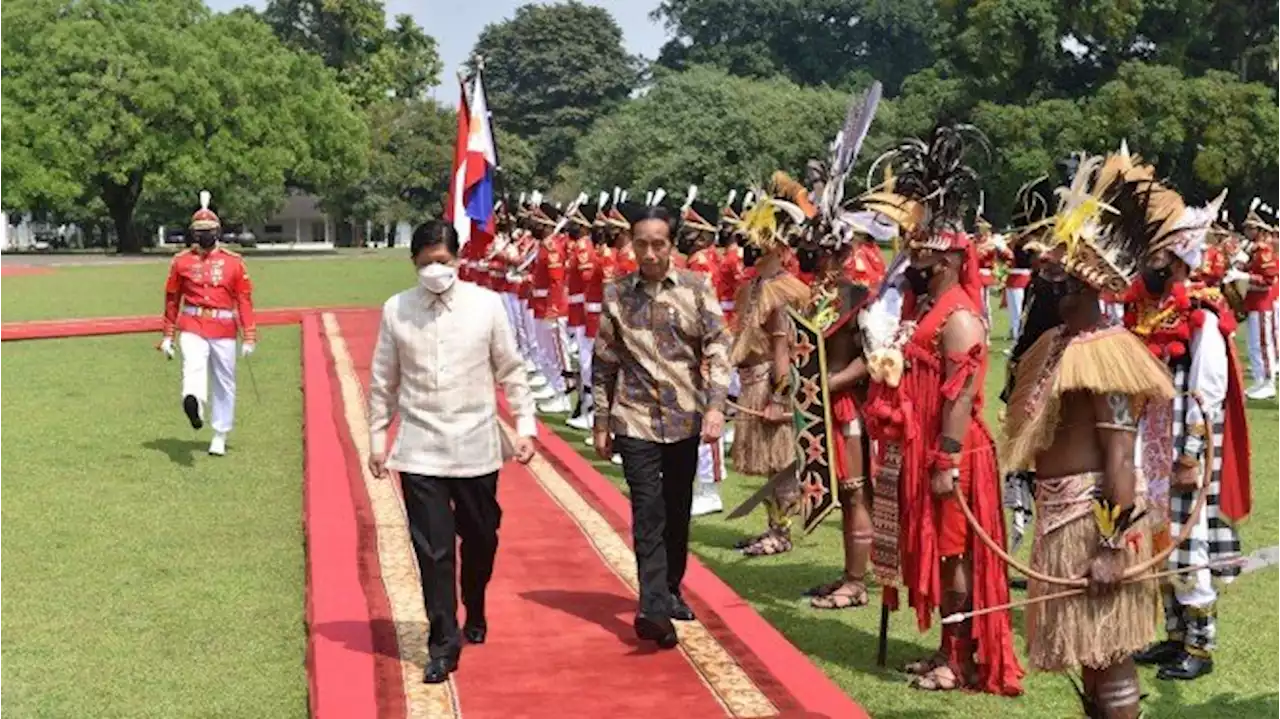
pixel 121 201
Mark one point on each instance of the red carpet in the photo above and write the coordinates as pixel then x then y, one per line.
pixel 560 616
pixel 12 270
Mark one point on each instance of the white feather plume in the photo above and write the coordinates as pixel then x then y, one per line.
pixel 733 195
pixel 1253 204
pixel 689 197
pixel 658 194
pixel 648 197
pixel 604 199
pixel 205 198
pixel 617 194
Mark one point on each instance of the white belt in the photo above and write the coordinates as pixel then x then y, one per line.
pixel 984 272
pixel 541 293
pixel 595 307
pixel 1019 272
pixel 577 299
pixel 207 312
pixel 726 305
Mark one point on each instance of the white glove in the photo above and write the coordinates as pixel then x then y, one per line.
pixel 166 346
pixel 246 349
pixel 1234 275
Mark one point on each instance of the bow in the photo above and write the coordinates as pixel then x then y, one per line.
pixel 1134 571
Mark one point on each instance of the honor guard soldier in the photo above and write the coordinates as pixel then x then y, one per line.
pixel 697 240
pixel 1260 302
pixel 550 305
pixel 579 270
pixel 207 296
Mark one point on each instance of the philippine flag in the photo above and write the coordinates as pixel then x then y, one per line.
pixel 481 163
pixel 455 209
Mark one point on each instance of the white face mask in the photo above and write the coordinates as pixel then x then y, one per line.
pixel 437 278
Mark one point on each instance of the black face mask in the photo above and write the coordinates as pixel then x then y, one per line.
pixel 750 254
pixel 722 238
pixel 684 245
pixel 206 240
pixel 598 238
pixel 808 260
pixel 1156 279
pixel 918 278
pixel 1049 291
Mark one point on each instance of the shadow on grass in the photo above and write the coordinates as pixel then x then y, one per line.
pixel 1169 702
pixel 181 452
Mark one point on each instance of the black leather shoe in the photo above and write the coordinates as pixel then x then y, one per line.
pixel 657 629
pixel 475 633
pixel 1187 667
pixel 439 669
pixel 191 406
pixel 1159 653
pixel 680 610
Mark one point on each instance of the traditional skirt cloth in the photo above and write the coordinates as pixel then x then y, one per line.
pixel 1093 632
pixel 760 449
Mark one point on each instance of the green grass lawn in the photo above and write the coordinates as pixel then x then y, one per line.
pixel 146 578
pixel 170 584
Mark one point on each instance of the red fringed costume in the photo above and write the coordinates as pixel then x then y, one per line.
pixel 907 421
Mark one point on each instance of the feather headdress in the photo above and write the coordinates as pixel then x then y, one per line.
pixel 772 221
pixel 1032 214
pixel 931 185
pixel 1112 215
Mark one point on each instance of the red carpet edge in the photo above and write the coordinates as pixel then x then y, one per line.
pixel 340 650
pixel 813 689
pixel 95 326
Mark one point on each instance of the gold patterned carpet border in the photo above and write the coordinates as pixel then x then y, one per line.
pixel 724 677
pixel 395 552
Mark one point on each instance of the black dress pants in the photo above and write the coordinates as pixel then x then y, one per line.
pixel 660 479
pixel 440 511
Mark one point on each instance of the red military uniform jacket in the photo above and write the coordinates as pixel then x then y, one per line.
pixel 1263 270
pixel 625 262
pixel 550 295
pixel 209 295
pixel 580 253
pixel 1214 267
pixel 729 279
pixel 602 268
pixel 987 265
pixel 705 261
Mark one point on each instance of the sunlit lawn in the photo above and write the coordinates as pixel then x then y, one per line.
pixel 146 578
pixel 147 586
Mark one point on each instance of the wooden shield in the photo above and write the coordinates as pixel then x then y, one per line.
pixel 815 448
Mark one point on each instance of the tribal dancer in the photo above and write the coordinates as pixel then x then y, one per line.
pixel 730 276
pixel 697 242
pixel 765 441
pixel 1073 416
pixel 835 301
pixel 207 296
pixel 1190 329
pixel 924 412
pixel 1030 316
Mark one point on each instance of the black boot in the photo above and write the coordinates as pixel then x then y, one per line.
pixel 1160 653
pixel 1189 666
pixel 191 406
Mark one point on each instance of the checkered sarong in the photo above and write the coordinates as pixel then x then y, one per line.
pixel 1221 539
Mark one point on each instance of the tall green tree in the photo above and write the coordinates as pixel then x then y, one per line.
pixel 553 70
pixel 352 37
pixel 841 43
pixel 711 129
pixel 143 103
